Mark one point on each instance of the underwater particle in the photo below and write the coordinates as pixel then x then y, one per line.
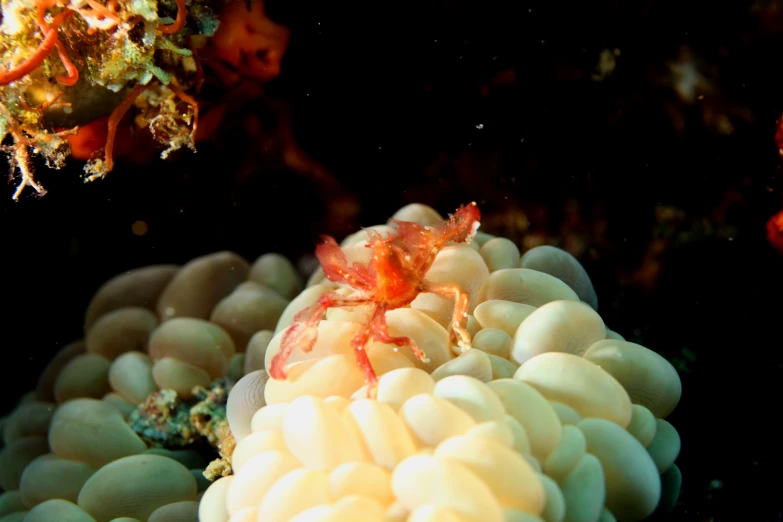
pixel 607 62
pixel 139 228
pixel 687 79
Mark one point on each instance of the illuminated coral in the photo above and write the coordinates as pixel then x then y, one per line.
pixel 112 55
pixel 550 416
pixel 139 403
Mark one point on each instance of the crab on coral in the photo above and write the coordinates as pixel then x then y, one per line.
pixel 393 279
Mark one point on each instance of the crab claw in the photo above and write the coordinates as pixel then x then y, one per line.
pixel 301 335
pixel 465 222
pixel 276 370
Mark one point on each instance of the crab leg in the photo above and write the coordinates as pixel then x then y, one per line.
pixel 378 330
pixel 362 360
pixel 304 330
pixel 459 318
pixel 381 334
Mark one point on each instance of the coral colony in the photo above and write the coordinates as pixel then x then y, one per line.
pixel 70 71
pixel 487 389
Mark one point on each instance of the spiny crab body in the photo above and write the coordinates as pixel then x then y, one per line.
pixel 392 279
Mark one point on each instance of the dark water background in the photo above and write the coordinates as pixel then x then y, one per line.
pixel 406 102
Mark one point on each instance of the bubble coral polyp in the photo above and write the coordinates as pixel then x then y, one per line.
pixel 392 279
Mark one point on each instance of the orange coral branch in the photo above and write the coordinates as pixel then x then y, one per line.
pixel 179 22
pixel 114 120
pixel 775 231
pixel 73 72
pixel 103 11
pixel 39 55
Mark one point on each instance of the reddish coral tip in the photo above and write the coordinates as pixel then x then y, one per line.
pixel 775 231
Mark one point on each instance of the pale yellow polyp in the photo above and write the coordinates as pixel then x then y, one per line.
pixel 421 480
pixel 432 420
pixel 336 443
pixel 578 383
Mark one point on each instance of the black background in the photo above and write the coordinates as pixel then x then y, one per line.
pixel 388 97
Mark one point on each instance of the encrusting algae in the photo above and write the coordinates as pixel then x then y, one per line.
pixel 545 415
pixel 67 66
pixel 164 420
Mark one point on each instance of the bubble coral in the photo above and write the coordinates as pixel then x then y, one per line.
pixel 547 415
pixel 569 429
pixel 83 419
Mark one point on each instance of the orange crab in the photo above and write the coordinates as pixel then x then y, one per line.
pixel 392 279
